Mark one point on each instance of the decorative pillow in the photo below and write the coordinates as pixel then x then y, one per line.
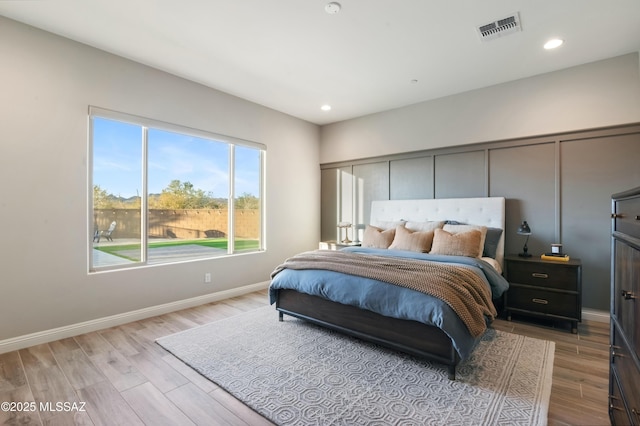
pixel 406 239
pixel 378 238
pixel 459 244
pixel 455 229
pixel 424 226
pixel 491 242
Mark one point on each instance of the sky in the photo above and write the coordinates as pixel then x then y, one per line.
pixel 117 161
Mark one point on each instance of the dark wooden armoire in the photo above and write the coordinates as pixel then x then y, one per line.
pixel 624 371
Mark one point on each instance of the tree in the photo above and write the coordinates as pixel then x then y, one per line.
pixel 105 200
pixel 176 196
pixel 247 201
pixel 101 198
pixel 183 195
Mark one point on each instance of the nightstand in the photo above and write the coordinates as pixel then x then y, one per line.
pixel 335 245
pixel 544 288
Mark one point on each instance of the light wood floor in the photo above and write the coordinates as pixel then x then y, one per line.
pixel 120 376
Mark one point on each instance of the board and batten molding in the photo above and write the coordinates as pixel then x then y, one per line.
pixel 560 183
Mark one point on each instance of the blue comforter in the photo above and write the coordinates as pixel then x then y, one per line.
pixel 391 300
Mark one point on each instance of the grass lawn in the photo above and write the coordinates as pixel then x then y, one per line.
pixel 219 243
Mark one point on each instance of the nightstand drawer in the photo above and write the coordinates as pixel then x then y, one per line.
pixel 543 302
pixel 544 288
pixel 563 277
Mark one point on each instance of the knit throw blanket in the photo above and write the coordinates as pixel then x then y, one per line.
pixel 459 287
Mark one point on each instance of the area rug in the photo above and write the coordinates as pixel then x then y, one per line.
pixel 296 373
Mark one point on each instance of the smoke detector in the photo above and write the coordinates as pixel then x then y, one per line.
pixel 332 8
pixel 500 27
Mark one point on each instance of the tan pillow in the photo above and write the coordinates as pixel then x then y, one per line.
pixel 456 229
pixel 460 244
pixel 406 239
pixel 377 238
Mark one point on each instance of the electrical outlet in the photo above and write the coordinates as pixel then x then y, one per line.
pixel 207 277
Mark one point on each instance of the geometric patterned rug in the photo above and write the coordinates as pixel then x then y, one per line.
pixel 297 373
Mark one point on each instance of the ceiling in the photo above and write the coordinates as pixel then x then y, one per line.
pixel 374 55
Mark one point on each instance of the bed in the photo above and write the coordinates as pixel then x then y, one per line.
pixel 376 293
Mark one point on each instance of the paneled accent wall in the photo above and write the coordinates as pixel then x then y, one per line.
pixel 560 184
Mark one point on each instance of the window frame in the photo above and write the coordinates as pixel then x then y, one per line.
pixel 145 124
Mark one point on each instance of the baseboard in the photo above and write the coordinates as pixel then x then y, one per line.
pixel 595 315
pixel 27 340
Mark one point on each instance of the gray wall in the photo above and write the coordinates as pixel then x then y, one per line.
pixel 492 141
pixel 561 184
pixel 46 85
pixel 598 94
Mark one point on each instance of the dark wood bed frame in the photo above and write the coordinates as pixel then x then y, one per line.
pixel 407 336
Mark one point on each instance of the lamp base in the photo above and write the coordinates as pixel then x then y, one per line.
pixel 524 254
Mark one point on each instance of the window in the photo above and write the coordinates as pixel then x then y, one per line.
pixel 162 193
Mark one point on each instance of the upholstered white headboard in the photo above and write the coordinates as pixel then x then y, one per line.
pixel 487 211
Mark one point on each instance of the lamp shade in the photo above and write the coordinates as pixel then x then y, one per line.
pixel 524 229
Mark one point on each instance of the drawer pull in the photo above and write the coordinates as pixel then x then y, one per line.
pixel 617 215
pixel 539 275
pixel 637 217
pixel 616 354
pixel 628 295
pixel 540 301
pixel 612 400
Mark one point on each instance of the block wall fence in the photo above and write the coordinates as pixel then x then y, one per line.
pixel 183 224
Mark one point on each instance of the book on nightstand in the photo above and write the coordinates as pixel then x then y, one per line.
pixel 555 256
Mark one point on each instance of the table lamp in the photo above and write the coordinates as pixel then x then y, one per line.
pixel 524 230
pixel 345 225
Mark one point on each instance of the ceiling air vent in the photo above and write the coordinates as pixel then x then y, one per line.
pixel 499 28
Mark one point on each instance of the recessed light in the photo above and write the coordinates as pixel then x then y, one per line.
pixel 326 107
pixel 553 43
pixel 332 8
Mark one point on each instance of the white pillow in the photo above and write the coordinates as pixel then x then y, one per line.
pixel 491 261
pixel 387 224
pixel 424 226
